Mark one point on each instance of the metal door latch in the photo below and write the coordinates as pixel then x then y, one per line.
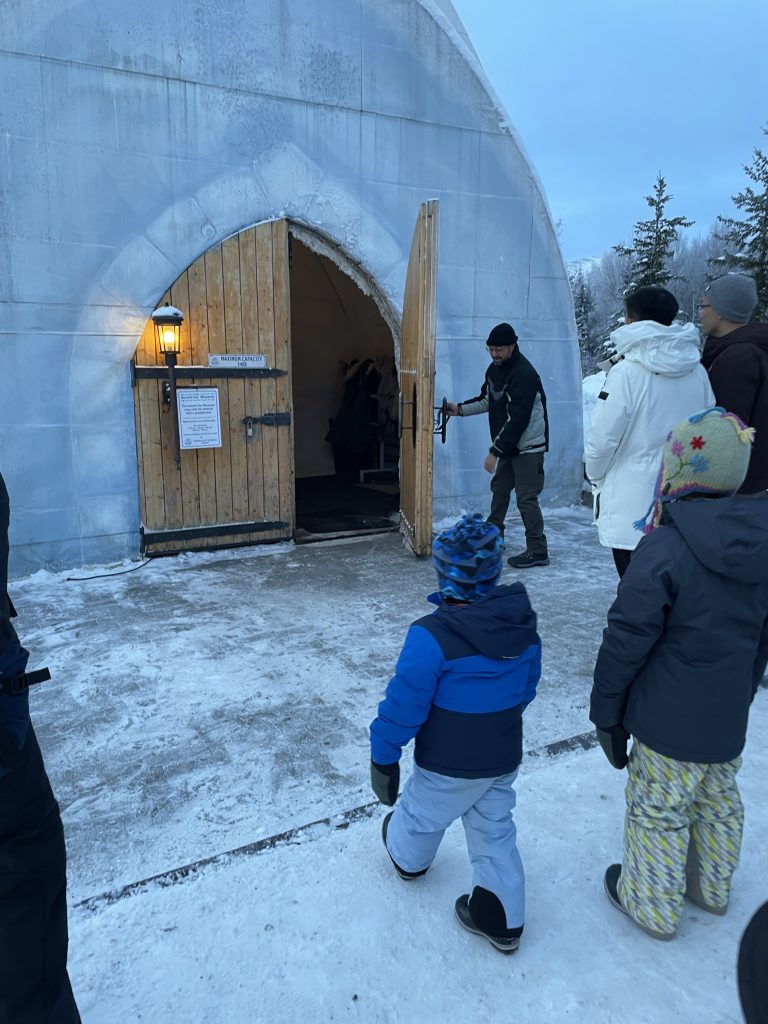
pixel 269 419
pixel 441 419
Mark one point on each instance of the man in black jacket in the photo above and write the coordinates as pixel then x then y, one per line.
pixel 513 397
pixel 34 984
pixel 736 358
pixel 682 656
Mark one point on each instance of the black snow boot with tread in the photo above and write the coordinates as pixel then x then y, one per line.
pixel 482 914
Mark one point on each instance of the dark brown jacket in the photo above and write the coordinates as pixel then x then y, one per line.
pixel 738 371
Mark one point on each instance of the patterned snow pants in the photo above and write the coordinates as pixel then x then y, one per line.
pixel 669 805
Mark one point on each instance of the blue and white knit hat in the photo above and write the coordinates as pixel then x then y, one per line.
pixel 467 558
pixel 708 453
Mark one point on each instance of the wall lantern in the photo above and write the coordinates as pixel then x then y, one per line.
pixel 168 321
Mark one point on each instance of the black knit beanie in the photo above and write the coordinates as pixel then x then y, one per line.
pixel 502 334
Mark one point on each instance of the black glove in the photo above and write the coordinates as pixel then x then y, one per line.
pixel 614 743
pixel 385 779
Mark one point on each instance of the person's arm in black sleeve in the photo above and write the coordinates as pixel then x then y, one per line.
pixel 521 394
pixel 8 637
pixel 761 660
pixel 736 377
pixel 14 707
pixel 635 623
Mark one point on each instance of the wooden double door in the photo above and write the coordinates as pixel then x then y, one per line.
pixel 236 302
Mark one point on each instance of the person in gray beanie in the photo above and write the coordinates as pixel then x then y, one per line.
pixel 736 358
pixel 732 297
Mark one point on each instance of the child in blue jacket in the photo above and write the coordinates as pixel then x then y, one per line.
pixel 463 679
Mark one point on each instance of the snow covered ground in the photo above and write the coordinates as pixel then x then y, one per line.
pixel 205 709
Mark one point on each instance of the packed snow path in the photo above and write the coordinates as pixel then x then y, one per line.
pixel 215 703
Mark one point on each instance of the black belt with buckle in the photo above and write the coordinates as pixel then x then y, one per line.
pixel 24 680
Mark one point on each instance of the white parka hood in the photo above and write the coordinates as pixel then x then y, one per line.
pixel 655 381
pixel 671 351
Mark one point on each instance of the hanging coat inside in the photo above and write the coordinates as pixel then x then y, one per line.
pixel 352 432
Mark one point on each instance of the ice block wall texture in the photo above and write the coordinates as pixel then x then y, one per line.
pixel 138 135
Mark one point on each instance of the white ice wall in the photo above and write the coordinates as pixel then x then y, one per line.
pixel 138 134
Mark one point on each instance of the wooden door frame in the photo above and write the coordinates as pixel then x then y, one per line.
pixel 417 381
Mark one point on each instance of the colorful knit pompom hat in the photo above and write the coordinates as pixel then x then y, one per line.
pixel 467 558
pixel 708 453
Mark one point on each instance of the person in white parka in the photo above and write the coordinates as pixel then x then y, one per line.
pixel 654 381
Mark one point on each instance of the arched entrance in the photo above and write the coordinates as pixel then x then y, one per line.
pixel 288 400
pixel 345 401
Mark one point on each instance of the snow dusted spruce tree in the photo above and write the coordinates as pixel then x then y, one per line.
pixel 653 242
pixel 746 241
pixel 583 306
pixel 659 254
pixel 647 261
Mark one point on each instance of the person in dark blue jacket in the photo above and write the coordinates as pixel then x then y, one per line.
pixel 463 679
pixel 682 656
pixel 34 984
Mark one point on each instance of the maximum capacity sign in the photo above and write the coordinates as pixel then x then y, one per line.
pixel 199 418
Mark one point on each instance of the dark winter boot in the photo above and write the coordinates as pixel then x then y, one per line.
pixel 693 883
pixel 408 876
pixel 483 914
pixel 527 560
pixel 611 883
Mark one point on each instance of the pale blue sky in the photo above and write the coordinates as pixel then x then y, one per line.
pixel 606 93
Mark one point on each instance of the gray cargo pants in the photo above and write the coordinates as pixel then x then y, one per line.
pixel 523 474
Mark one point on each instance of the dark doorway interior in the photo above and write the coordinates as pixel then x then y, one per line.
pixel 346 445
pixel 328 505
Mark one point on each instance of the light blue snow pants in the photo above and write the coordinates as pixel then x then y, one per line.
pixel 427 806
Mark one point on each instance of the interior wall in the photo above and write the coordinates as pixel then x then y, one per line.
pixel 332 322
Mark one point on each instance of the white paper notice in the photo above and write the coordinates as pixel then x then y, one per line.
pixel 199 418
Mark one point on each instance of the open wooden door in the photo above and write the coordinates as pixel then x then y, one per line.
pixel 417 382
pixel 235 300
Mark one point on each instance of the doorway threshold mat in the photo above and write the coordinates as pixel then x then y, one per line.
pixel 341 520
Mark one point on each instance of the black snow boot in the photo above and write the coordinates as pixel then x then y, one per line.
pixel 408 876
pixel 527 560
pixel 483 914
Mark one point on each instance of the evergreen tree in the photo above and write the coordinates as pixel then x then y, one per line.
pixel 746 241
pixel 583 307
pixel 653 242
